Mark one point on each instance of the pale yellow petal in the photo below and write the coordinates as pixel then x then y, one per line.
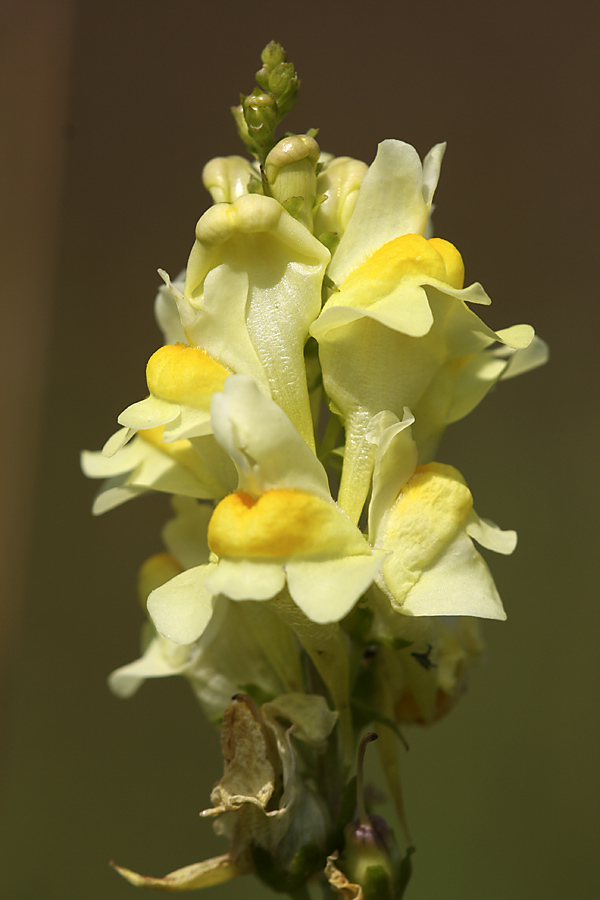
pixel 326 591
pixel 457 583
pixel 182 608
pixel 242 579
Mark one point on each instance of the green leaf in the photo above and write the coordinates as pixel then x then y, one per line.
pixel 329 239
pixel 293 205
pixel 404 873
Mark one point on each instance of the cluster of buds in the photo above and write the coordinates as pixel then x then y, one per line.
pixel 321 573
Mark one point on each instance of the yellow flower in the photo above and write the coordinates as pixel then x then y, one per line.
pixel 279 528
pixel 422 517
pixel 243 644
pixel 181 381
pixel 252 290
pixel 399 314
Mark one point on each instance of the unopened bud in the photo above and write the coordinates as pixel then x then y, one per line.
pixel 260 112
pixel 238 114
pixel 290 169
pixel 278 77
pixel 272 55
pixel 284 84
pixel 371 857
pixel 227 177
pixel 340 180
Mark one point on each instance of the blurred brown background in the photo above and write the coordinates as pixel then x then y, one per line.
pixel 110 109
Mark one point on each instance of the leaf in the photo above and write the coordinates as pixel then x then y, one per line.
pixel 405 873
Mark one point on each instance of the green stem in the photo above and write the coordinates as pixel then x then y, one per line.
pixel 363 816
pixel 330 436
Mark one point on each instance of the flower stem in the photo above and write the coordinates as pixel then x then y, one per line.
pixel 363 816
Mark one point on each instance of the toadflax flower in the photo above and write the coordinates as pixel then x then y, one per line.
pixel 337 183
pixel 252 290
pixel 245 647
pixel 399 312
pixel 281 527
pixel 422 517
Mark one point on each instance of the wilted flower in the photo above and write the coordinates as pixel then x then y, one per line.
pixel 264 803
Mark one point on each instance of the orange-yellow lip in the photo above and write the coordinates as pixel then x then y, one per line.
pixel 282 523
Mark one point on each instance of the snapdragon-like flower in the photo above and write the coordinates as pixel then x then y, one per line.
pixel 246 646
pixel 462 382
pixel 253 289
pixel 338 184
pixel 281 527
pixel 227 177
pixel 181 380
pixel 399 313
pixel 422 517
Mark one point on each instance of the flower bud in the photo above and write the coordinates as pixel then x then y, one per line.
pixel 284 84
pixel 260 113
pixel 238 114
pixel 278 77
pixel 290 168
pixel 272 55
pixel 371 856
pixel 227 177
pixel 340 181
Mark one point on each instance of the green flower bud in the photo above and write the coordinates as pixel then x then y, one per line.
pixel 262 110
pixel 238 114
pixel 284 84
pixel 371 857
pixel 260 113
pixel 278 77
pixel 271 56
